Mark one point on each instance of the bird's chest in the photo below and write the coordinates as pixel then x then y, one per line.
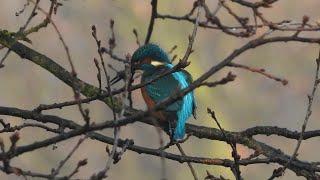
pixel 150 104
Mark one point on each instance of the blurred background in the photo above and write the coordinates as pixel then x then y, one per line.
pixel 249 101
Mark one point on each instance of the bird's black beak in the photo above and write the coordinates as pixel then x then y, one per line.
pixel 120 76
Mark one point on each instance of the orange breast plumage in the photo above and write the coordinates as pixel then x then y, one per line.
pixel 150 104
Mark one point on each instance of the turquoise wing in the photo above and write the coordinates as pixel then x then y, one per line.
pixel 187 76
pixel 190 80
pixel 163 88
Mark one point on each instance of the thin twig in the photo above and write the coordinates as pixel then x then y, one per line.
pixel 135 32
pixel 80 164
pixel 62 163
pixel 259 71
pixel 192 37
pixel 21 30
pixel 8 128
pixel 236 169
pixel 112 45
pixel 194 173
pixel 154 4
pixel 280 171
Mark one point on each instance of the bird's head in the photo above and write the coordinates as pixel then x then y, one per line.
pixel 149 54
pixel 146 58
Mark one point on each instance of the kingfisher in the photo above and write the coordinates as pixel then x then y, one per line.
pixel 154 61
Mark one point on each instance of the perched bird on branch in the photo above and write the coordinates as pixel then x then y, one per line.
pixel 154 61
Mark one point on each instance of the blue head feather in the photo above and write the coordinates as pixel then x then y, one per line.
pixel 152 51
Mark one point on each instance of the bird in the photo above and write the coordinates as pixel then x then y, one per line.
pixel 154 61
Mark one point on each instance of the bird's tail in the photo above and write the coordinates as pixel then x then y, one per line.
pixel 183 114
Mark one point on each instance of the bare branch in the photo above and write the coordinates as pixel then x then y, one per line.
pixel 280 171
